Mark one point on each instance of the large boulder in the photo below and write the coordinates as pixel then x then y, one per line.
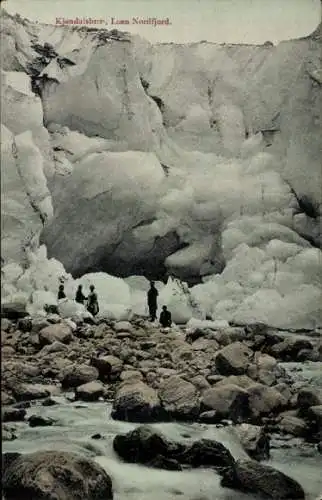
pixel 179 398
pixel 76 375
pixel 264 400
pixel 91 391
pixel 136 402
pixel 60 332
pixel 29 392
pixel 146 446
pixel 250 476
pixel 308 397
pixel 54 475
pixel 228 401
pixel 233 359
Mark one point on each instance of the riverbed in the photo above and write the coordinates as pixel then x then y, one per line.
pixel 76 423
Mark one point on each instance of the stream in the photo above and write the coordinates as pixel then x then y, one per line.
pixel 76 422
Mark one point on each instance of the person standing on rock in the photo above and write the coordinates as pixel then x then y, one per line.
pixel 92 301
pixel 61 292
pixel 80 297
pixel 165 317
pixel 152 301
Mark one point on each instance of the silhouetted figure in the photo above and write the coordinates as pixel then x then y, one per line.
pixel 152 301
pixel 61 292
pixel 165 317
pixel 92 301
pixel 80 297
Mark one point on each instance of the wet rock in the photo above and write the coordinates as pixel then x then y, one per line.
pixel 39 421
pixel 314 419
pixel 76 375
pixel 91 391
pixel 233 359
pixel 179 398
pixel 109 367
pixel 254 440
pixel 229 401
pixel 136 402
pixel 13 414
pixel 55 475
pixel 307 355
pixel 60 332
pixel 253 477
pixel 49 402
pixel 288 349
pixel 13 311
pixel 307 397
pixel 264 400
pixel 29 392
pixel 97 436
pixel 145 446
pixel 207 453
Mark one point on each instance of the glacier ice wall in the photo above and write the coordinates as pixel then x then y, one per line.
pixel 199 161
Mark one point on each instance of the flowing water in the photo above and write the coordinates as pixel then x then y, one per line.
pixel 77 422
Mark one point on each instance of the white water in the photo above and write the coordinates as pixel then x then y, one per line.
pixel 77 422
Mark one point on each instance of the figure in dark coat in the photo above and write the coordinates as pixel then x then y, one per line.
pixel 152 301
pixel 92 301
pixel 80 297
pixel 61 292
pixel 165 317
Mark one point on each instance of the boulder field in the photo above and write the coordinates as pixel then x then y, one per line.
pixel 221 376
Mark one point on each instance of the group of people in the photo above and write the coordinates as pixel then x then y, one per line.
pixel 91 302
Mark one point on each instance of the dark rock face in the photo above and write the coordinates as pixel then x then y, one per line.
pixel 51 475
pixel 13 310
pixel 145 446
pixel 39 421
pixel 249 476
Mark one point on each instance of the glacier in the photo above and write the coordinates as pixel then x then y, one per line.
pixel 197 164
